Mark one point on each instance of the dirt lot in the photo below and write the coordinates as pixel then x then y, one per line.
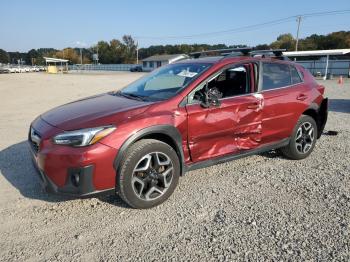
pixel 262 207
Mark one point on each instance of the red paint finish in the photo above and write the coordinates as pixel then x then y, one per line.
pixel 93 111
pixel 226 129
pixel 240 123
pixel 54 160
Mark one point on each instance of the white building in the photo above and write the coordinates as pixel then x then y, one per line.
pixel 323 62
pixel 156 61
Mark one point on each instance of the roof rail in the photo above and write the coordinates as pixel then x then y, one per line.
pixel 273 53
pixel 222 52
pixel 245 51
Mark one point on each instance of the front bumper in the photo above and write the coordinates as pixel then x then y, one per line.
pixel 85 188
pixel 77 172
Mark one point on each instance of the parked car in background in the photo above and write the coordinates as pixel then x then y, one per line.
pixel 183 116
pixel 21 69
pixel 12 69
pixel 4 70
pixel 136 68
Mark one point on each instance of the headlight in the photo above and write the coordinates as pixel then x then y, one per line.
pixel 83 137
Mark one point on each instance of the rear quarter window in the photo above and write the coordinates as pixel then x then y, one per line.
pixel 296 79
pixel 276 75
pixel 301 69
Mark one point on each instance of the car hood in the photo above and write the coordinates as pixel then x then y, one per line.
pixel 94 111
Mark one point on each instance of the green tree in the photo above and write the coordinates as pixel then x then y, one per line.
pixel 129 52
pixel 285 41
pixel 68 53
pixel 34 57
pixel 262 47
pixel 4 57
pixel 16 56
pixel 124 50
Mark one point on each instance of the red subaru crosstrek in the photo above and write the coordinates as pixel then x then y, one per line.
pixel 183 116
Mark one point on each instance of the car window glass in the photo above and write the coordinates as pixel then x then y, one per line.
pixel 165 82
pixel 295 75
pixel 231 82
pixel 275 75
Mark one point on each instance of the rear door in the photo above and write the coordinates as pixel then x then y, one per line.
pixel 232 126
pixel 284 99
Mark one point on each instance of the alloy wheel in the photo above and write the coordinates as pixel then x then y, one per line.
pixel 152 176
pixel 304 137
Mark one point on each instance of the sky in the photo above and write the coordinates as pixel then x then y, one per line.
pixel 58 24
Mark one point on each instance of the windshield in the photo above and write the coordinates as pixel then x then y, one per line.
pixel 165 82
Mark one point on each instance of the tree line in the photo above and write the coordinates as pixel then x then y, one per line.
pixel 124 51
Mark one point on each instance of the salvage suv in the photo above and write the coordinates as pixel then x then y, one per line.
pixel 192 114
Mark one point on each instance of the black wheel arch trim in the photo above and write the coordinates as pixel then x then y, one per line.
pixel 322 115
pixel 321 112
pixel 168 130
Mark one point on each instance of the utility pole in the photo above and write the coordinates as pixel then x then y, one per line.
pixel 137 52
pixel 97 53
pixel 81 57
pixel 297 42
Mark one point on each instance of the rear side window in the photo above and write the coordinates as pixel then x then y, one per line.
pixel 275 75
pixel 295 75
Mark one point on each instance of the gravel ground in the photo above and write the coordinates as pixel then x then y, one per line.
pixel 259 208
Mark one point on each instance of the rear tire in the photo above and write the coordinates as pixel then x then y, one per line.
pixel 303 139
pixel 148 174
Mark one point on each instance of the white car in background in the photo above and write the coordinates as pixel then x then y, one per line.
pixel 5 70
pixel 12 69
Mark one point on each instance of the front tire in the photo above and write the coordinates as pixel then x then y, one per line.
pixel 303 139
pixel 148 174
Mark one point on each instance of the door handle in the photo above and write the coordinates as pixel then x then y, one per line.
pixel 301 97
pixel 254 105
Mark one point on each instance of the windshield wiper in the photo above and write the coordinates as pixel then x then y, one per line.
pixel 131 96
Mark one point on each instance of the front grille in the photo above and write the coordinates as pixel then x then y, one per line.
pixel 35 147
pixel 34 138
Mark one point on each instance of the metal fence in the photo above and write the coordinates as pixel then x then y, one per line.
pixel 335 67
pixel 106 67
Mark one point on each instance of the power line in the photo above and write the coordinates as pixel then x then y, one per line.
pixel 337 12
pixel 250 27
pixel 238 29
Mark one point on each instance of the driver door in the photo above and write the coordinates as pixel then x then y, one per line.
pixel 233 124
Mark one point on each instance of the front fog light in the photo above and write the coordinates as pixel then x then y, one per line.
pixel 75 178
